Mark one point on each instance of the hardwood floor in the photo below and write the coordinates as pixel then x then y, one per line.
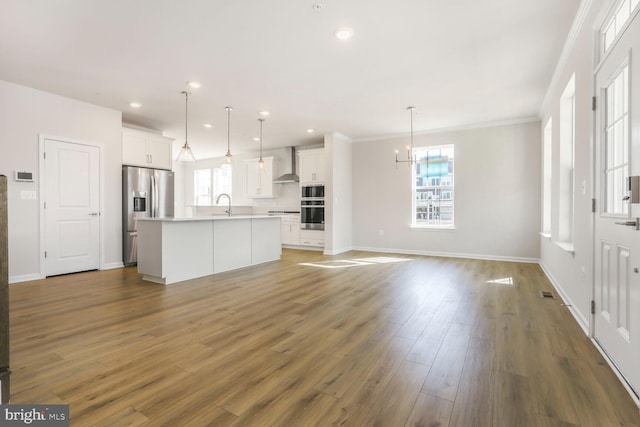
pixel 387 340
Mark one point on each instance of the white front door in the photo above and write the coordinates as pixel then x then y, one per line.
pixel 616 237
pixel 72 208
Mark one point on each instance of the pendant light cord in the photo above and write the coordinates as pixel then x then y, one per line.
pixel 261 120
pixel 228 130
pixel 186 115
pixel 412 131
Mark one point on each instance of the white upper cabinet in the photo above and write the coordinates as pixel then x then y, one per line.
pixel 146 149
pixel 260 179
pixel 312 166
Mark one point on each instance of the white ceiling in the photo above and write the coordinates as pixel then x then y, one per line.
pixel 460 62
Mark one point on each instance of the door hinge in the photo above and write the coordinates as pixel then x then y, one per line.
pixel 45 205
pixel 594 103
pixel 45 254
pixel 593 205
pixel 593 307
pixel 44 156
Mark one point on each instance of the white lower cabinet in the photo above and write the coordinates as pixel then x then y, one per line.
pixel 312 238
pixel 290 230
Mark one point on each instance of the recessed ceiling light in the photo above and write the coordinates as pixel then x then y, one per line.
pixel 256 139
pixel 344 33
pixel 135 104
pixel 264 113
pixel 208 125
pixel 195 84
pixel 310 130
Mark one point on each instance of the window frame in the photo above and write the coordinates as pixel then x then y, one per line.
pixel 225 171
pixel 436 188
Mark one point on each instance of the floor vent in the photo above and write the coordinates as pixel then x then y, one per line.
pixel 547 294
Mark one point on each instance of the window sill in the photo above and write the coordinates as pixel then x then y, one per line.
pixel 566 246
pixel 432 227
pixel 546 235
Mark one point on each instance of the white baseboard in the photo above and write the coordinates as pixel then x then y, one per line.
pixel 36 276
pixel 112 266
pixel 583 322
pixel 337 251
pixel 25 278
pixel 586 328
pixel 448 254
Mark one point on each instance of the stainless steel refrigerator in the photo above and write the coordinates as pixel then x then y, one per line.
pixel 146 193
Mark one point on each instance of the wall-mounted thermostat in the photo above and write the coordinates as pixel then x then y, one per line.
pixel 24 176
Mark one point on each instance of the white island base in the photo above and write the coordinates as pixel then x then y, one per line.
pixel 171 250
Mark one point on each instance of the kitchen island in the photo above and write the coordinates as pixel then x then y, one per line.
pixel 171 250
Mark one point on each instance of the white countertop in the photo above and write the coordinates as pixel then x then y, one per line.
pixel 219 217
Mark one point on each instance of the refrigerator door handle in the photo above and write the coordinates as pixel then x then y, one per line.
pixel 154 197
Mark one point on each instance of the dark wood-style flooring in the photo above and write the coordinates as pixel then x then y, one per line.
pixel 376 340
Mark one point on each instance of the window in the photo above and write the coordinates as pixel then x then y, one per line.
pixel 433 184
pixel 616 121
pixel 547 177
pixel 566 172
pixel 202 187
pixel 208 184
pixel 616 22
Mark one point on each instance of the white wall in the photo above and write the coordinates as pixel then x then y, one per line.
pixel 571 273
pixel 497 195
pixel 26 113
pixel 338 196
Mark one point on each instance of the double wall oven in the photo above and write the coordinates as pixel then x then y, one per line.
pixel 312 207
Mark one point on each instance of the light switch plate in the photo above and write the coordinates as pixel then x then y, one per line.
pixel 27 195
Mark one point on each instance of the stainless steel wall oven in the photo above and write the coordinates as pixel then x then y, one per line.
pixel 312 192
pixel 312 207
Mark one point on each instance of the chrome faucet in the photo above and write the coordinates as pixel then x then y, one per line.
pixel 228 212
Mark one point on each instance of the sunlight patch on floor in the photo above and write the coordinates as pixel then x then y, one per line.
pixel 503 281
pixel 345 263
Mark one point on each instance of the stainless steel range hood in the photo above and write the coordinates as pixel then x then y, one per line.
pixel 290 168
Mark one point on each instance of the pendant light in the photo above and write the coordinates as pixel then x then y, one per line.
pixel 411 160
pixel 228 155
pixel 186 155
pixel 261 161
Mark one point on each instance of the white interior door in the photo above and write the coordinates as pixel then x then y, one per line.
pixel 616 238
pixel 72 208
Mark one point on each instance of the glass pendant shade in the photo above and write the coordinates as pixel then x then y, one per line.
pixel 186 155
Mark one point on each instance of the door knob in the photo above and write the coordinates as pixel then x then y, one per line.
pixel 94 214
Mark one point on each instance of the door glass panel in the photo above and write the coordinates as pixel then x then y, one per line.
pixel 616 143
